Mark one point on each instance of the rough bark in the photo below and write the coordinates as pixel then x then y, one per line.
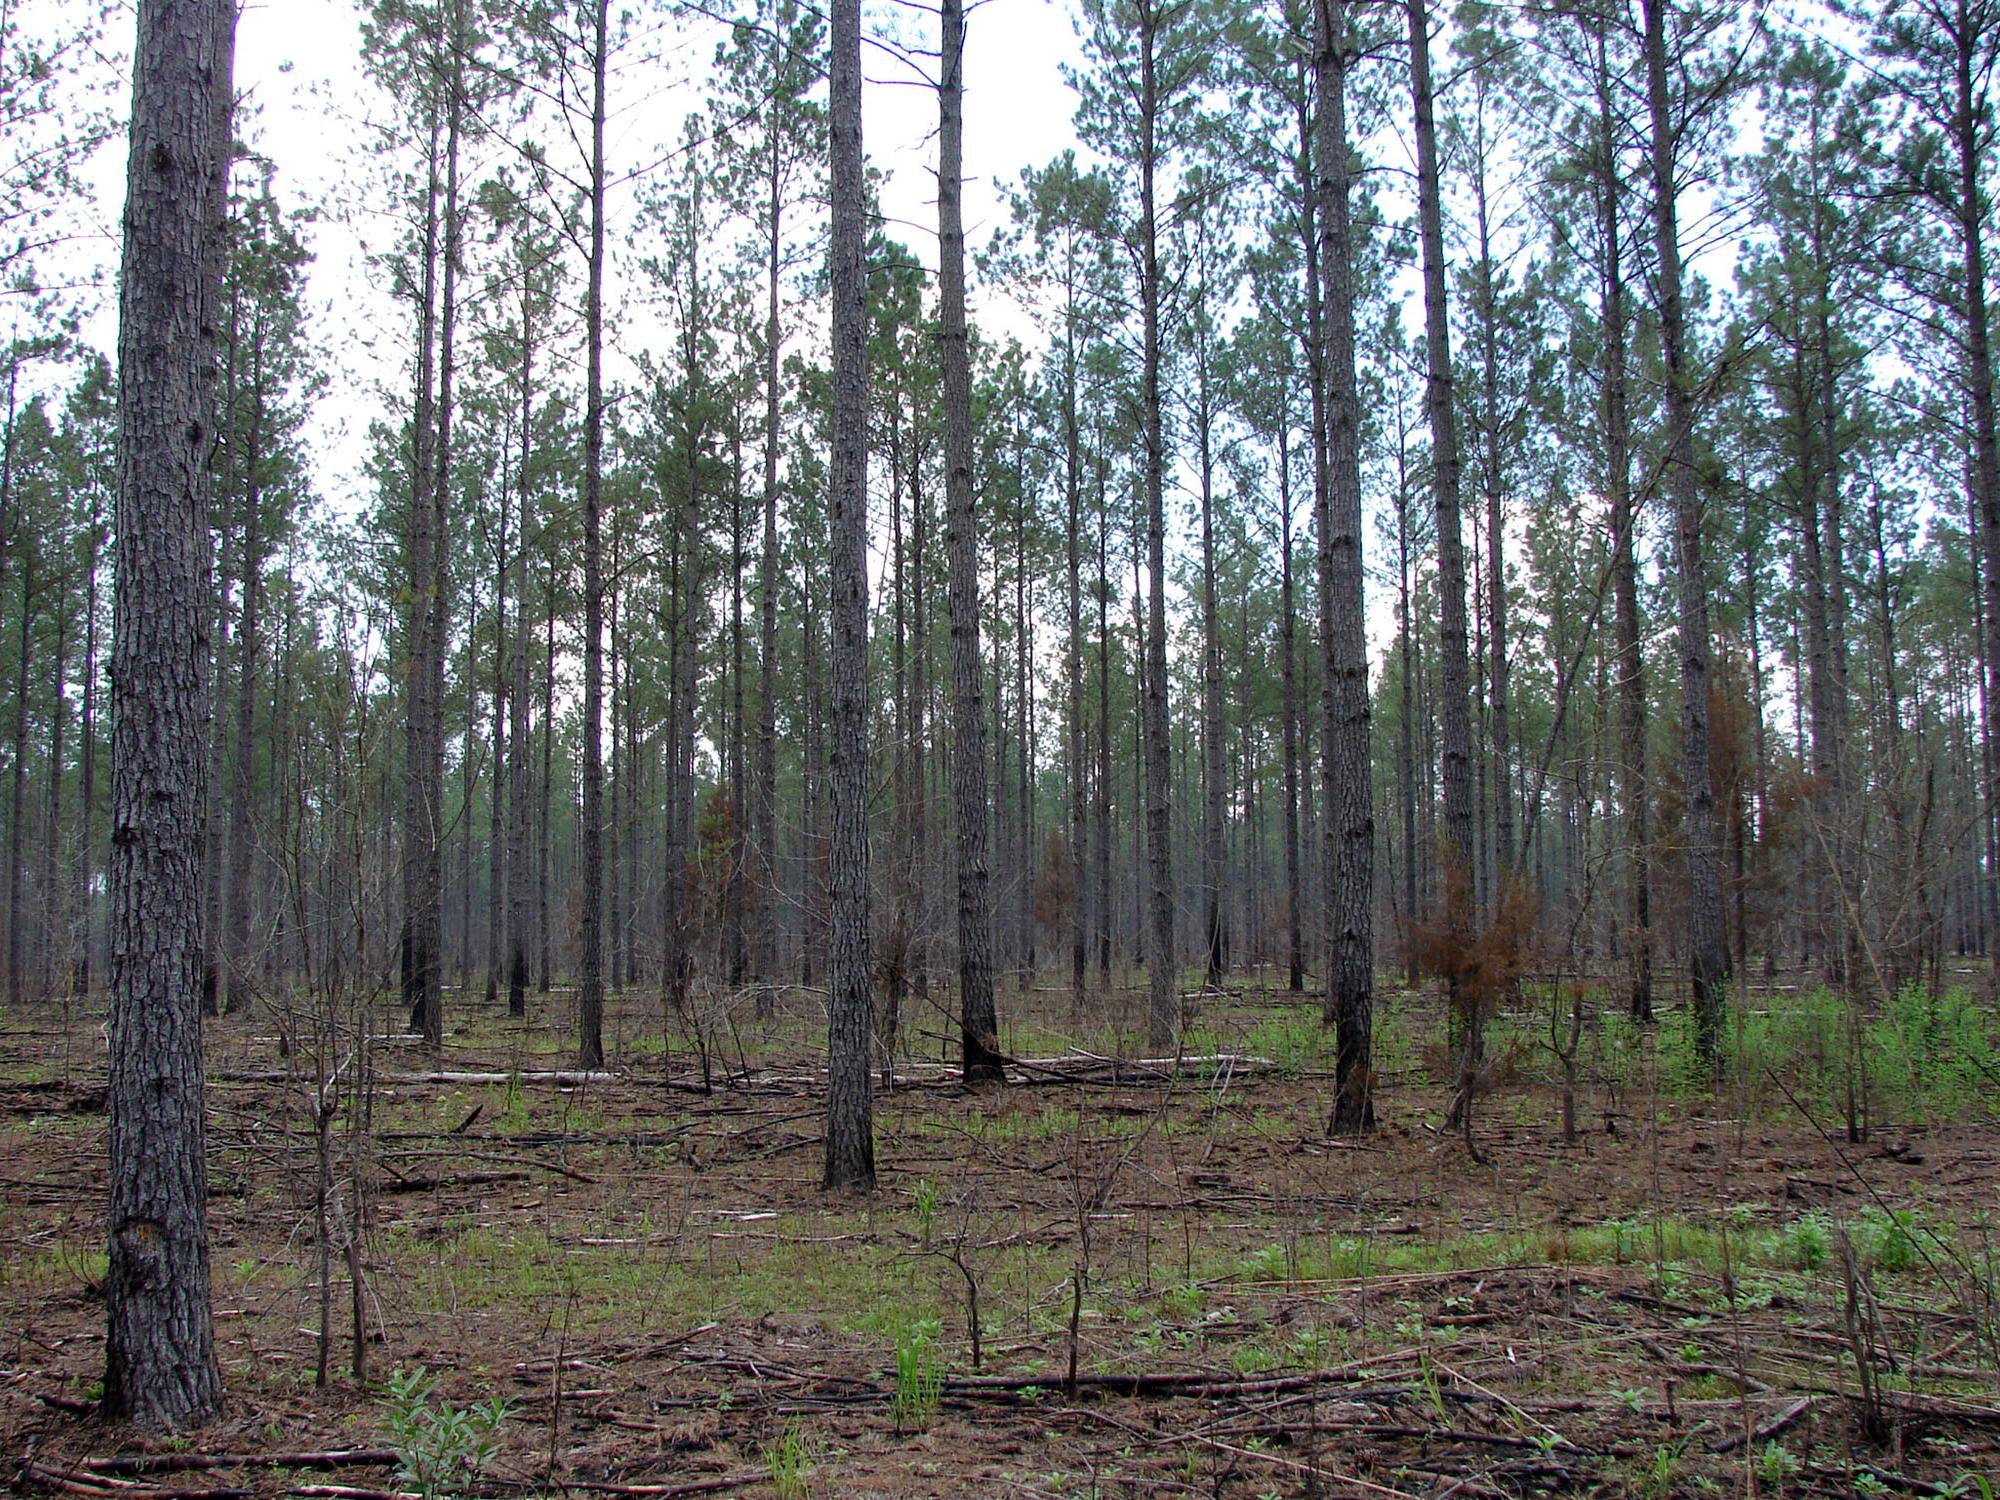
pixel 850 1132
pixel 1349 823
pixel 160 1368
pixel 978 1023
pixel 1708 953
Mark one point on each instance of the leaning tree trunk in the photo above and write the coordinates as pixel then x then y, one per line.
pixel 160 1368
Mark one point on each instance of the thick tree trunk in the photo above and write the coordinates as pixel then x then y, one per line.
pixel 160 1368
pixel 1708 954
pixel 850 1131
pixel 979 1047
pixel 1349 824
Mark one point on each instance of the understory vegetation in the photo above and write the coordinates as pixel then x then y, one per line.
pixel 1170 1282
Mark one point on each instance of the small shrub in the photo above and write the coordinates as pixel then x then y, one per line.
pixel 441 1450
pixel 1805 1243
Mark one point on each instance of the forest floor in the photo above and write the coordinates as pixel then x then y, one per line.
pixel 1708 1292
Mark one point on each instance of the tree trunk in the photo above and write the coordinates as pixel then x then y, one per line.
pixel 1458 851
pixel 496 823
pixel 236 936
pixel 850 1131
pixel 520 890
pixel 17 804
pixel 1968 127
pixel 1215 928
pixel 979 1048
pixel 86 872
pixel 590 919
pixel 1492 476
pixel 1708 954
pixel 160 1368
pixel 423 807
pixel 1163 994
pixel 1625 566
pixel 1349 825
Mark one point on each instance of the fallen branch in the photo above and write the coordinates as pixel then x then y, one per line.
pixel 167 1463
pixel 671 1491
pixel 1765 1431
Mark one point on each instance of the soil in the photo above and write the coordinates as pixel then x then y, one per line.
pixel 1702 1294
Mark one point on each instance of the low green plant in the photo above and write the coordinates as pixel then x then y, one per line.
pixel 919 1375
pixel 441 1449
pixel 926 1195
pixel 1659 1480
pixel 1893 1239
pixel 791 1459
pixel 1776 1463
pixel 1805 1242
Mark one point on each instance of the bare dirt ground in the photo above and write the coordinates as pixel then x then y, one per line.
pixel 1153 1281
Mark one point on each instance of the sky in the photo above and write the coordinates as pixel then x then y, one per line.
pixel 307 105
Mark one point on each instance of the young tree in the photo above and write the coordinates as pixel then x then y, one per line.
pixel 159 1366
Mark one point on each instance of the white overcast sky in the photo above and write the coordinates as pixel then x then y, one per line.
pixel 309 107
